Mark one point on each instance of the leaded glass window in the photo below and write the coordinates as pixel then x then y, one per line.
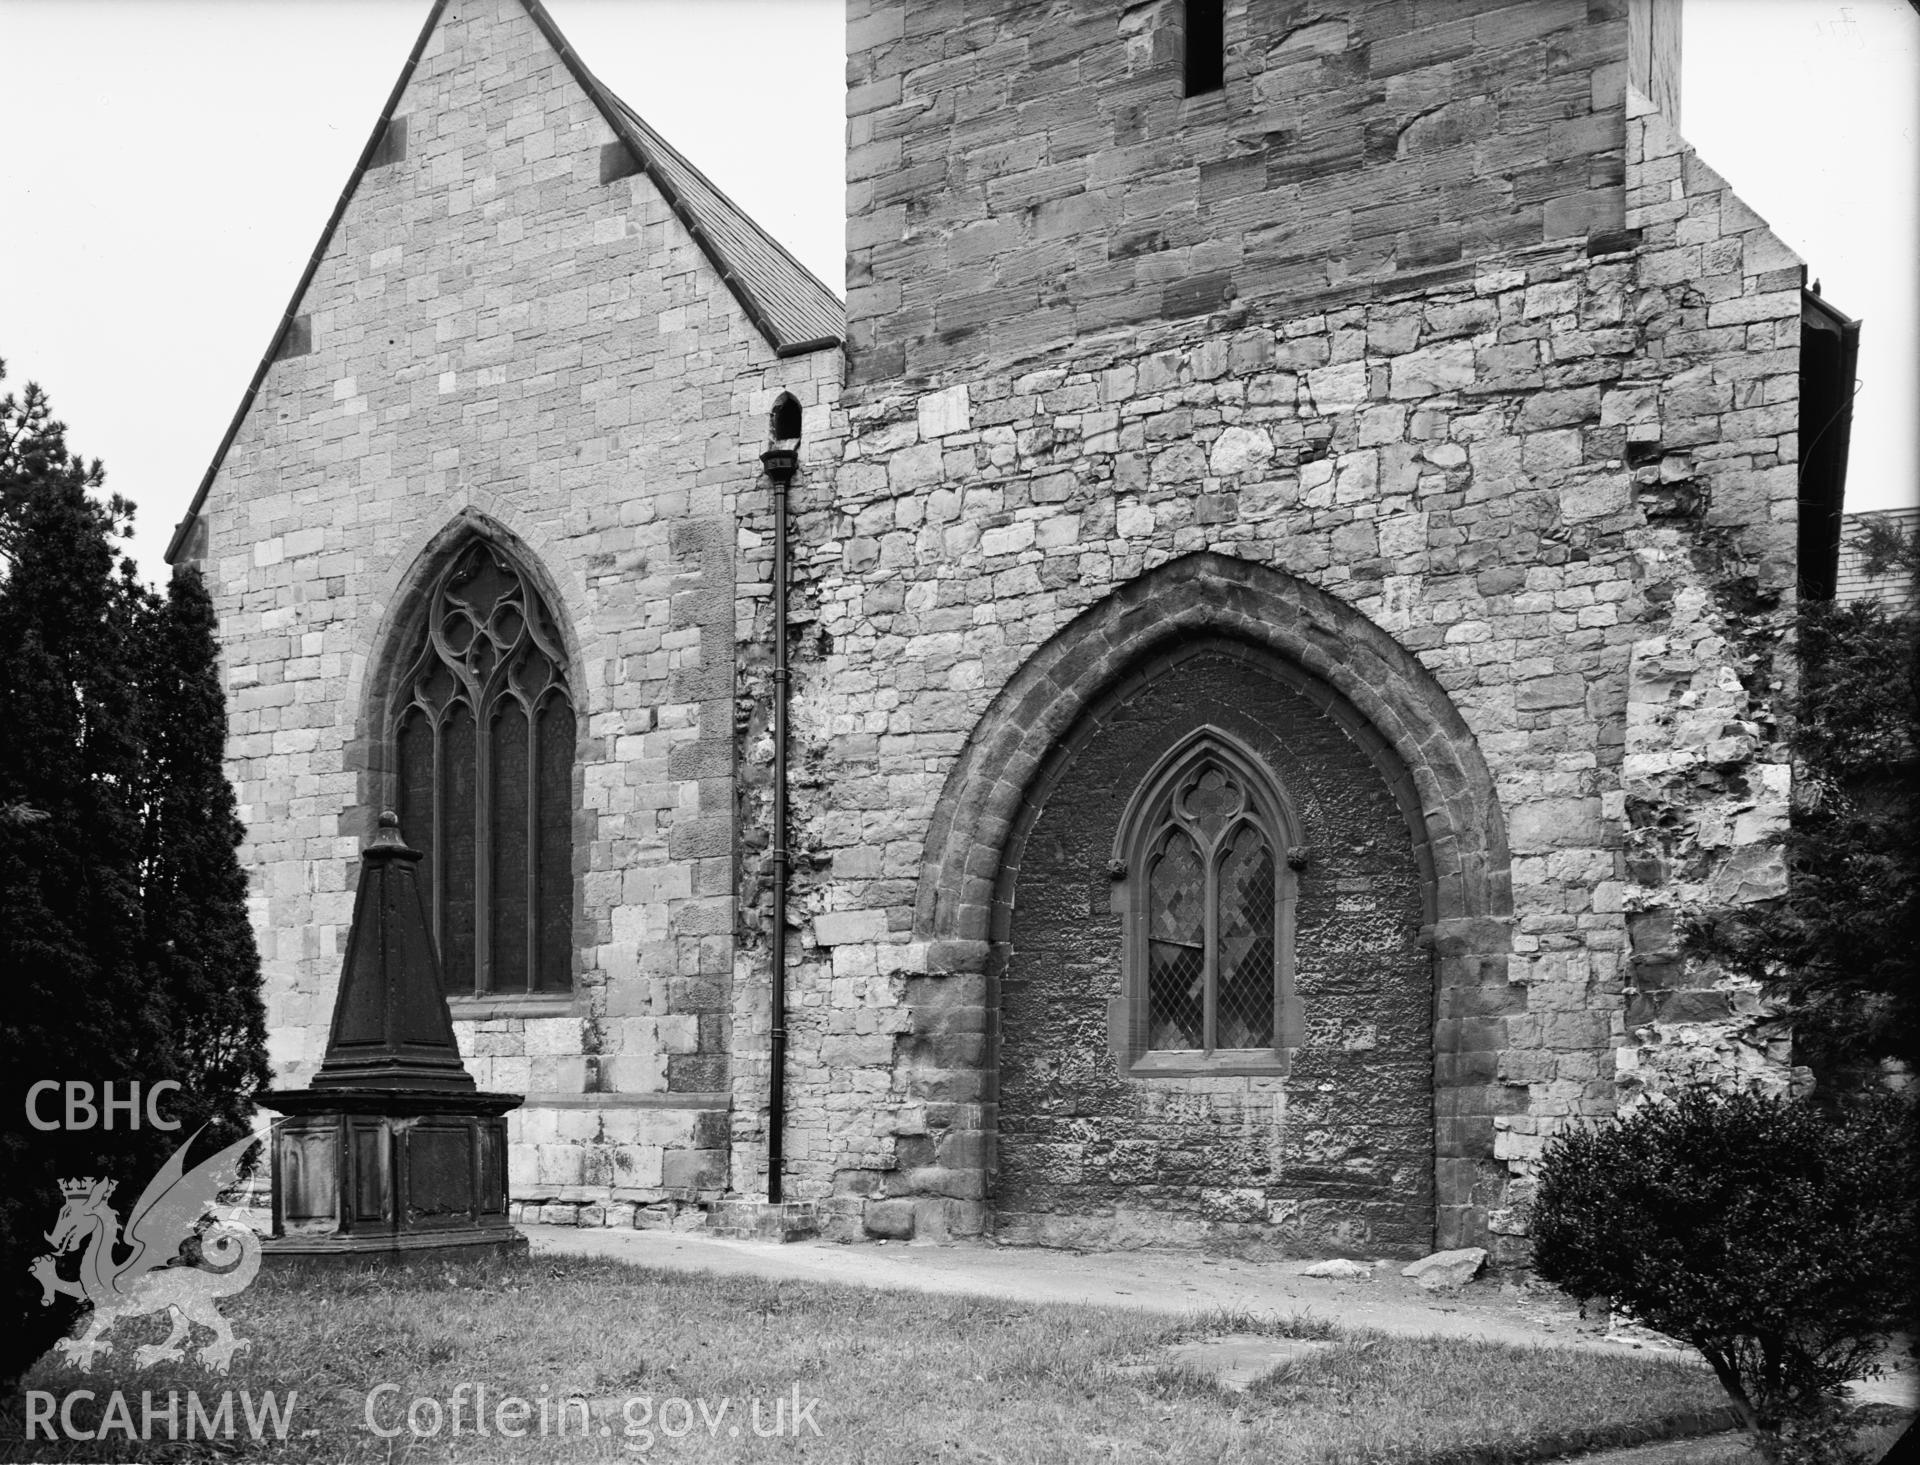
pixel 483 760
pixel 1205 850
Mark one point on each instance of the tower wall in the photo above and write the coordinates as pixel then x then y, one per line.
pixel 1522 397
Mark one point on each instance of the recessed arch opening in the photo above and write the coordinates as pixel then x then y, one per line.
pixel 1362 678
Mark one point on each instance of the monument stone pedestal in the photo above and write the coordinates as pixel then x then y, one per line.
pixel 393 1151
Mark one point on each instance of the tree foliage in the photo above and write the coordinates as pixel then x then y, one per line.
pixel 1775 1237
pixel 1839 946
pixel 123 938
pixel 199 946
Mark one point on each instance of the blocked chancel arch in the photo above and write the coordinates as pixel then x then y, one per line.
pixel 1199 595
pixel 1358 674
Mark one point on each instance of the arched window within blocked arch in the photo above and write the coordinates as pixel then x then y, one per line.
pixel 483 739
pixel 1204 849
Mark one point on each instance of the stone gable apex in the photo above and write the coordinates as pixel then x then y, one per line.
pixel 790 308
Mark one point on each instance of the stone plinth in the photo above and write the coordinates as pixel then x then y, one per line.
pixel 393 1150
pixel 390 1170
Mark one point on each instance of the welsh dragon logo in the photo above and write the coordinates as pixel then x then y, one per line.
pixel 144 1281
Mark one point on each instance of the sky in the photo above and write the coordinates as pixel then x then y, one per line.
pixel 168 166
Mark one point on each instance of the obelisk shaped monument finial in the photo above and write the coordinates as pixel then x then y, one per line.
pixel 391 1028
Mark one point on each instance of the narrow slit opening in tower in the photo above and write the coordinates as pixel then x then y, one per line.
pixel 1206 47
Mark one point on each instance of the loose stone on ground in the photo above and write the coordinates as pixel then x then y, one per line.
pixel 1447 1271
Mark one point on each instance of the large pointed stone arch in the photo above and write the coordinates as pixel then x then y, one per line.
pixel 1214 597
pixel 1199 595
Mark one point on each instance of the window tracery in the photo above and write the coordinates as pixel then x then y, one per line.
pixel 1210 945
pixel 483 745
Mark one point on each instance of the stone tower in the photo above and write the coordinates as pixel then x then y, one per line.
pixel 1387 404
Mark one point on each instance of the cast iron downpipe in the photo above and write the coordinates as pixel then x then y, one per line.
pixel 779 461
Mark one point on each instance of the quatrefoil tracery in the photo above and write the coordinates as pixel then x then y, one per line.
pixel 488 634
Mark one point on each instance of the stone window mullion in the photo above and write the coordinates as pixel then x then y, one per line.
pixel 483 849
pixel 486 699
pixel 437 819
pixel 532 825
pixel 1210 1013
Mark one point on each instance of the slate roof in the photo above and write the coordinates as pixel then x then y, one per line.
pixel 793 309
pixel 786 302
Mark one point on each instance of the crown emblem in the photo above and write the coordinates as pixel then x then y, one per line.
pixel 81 1189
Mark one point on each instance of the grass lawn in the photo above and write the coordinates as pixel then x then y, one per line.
pixel 909 1378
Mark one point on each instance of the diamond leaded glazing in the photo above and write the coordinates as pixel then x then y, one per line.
pixel 1211 913
pixel 1176 946
pixel 1244 1017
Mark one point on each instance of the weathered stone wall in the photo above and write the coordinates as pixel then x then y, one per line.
pixel 1712 438
pixel 1410 360
pixel 1022 176
pixel 823 437
pixel 1337 1151
pixel 499 337
pixel 1559 475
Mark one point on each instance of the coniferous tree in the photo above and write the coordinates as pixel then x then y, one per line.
pixel 69 855
pixel 204 966
pixel 119 956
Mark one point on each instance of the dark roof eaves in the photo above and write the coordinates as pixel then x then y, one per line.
pixel 807 348
pixel 1832 316
pixel 621 119
pixel 185 526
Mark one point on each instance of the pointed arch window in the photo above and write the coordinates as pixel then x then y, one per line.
pixel 1209 905
pixel 483 761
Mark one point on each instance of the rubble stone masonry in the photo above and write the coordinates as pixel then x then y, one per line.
pixel 1023 177
pixel 1421 385
pixel 1502 456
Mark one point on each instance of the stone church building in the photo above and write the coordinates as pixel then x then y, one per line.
pixel 1286 588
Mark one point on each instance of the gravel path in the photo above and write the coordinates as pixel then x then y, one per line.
pixel 1183 1282
pixel 1156 1281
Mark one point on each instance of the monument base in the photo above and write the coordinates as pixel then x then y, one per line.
pixel 493 1241
pixel 389 1172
